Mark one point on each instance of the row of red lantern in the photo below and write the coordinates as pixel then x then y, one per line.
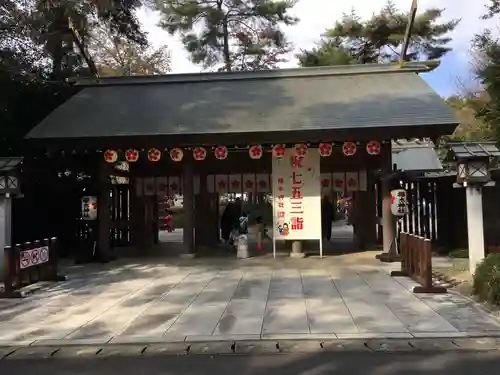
pixel 255 152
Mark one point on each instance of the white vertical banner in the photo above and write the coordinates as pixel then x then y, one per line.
pixel 174 185
pixel 363 181
pixel 211 183
pixel 139 187
pixel 263 183
pixel 249 183
pixel 221 183
pixel 196 184
pixel 351 181
pixel 149 186
pixel 296 189
pixel 326 183
pixel 338 182
pixel 235 183
pixel 162 186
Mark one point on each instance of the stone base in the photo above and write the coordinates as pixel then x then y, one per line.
pixel 297 255
pixel 388 257
pixel 187 255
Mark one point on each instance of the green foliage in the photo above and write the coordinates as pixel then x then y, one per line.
pixel 471 128
pixel 487 68
pixel 37 54
pixel 326 53
pixel 115 55
pixel 492 9
pixel 230 34
pixel 486 280
pixel 379 39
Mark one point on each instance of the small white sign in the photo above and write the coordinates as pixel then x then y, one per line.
pixel 33 257
pixel 89 207
pixel 399 204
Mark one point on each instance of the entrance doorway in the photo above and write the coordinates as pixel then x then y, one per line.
pixel 170 218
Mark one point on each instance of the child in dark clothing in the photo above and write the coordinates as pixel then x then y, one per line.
pixel 260 232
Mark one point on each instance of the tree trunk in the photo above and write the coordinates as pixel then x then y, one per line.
pixel 227 57
pixel 225 33
pixel 58 53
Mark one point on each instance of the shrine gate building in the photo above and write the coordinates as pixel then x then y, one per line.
pixel 204 134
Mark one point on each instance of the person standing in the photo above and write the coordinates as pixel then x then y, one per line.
pixel 326 218
pixel 230 219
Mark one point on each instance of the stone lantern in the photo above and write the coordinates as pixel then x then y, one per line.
pixel 473 160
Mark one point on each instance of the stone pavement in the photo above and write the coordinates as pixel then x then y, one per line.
pixel 214 299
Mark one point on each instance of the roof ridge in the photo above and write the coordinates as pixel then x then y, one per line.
pixel 320 71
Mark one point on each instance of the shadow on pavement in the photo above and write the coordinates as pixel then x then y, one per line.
pixel 428 363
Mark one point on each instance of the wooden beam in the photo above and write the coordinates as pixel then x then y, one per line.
pixel 78 41
pixel 409 27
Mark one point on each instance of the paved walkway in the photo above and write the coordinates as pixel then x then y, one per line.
pixel 200 300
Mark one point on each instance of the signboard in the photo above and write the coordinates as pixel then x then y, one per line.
pixel 296 186
pixel 399 204
pixel 89 207
pixel 33 257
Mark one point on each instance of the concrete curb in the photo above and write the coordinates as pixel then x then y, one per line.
pixel 261 347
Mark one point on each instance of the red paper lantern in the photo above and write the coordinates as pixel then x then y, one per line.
pixel 301 149
pixel 199 153
pixel 176 154
pixel 349 148
pixel 279 151
pixel 325 149
pixel 131 155
pixel 221 152
pixel 110 156
pixel 373 148
pixel 154 154
pixel 255 152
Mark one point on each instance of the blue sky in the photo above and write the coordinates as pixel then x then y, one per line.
pixel 317 15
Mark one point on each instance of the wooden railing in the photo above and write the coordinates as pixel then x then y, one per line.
pixel 29 263
pixel 416 263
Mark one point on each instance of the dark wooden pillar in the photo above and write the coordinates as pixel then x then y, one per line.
pixel 103 213
pixel 366 233
pixel 203 232
pixel 188 198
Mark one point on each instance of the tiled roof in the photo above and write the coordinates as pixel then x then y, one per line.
pixel 322 99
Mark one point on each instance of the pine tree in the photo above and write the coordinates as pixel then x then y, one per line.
pixel 379 39
pixel 230 34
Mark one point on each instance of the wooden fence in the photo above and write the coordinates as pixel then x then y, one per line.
pixel 29 263
pixel 416 263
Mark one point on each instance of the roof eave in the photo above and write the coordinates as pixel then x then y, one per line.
pixel 321 71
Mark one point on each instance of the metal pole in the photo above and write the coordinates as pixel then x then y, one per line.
pixel 409 27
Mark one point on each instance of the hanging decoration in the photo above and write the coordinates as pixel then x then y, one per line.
pixel 176 154
pixel 131 155
pixel 325 149
pixel 373 148
pixel 349 148
pixel 279 151
pixel 255 152
pixel 110 156
pixel 301 149
pixel 199 153
pixel 221 152
pixel 154 154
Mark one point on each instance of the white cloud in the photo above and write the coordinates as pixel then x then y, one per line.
pixel 317 15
